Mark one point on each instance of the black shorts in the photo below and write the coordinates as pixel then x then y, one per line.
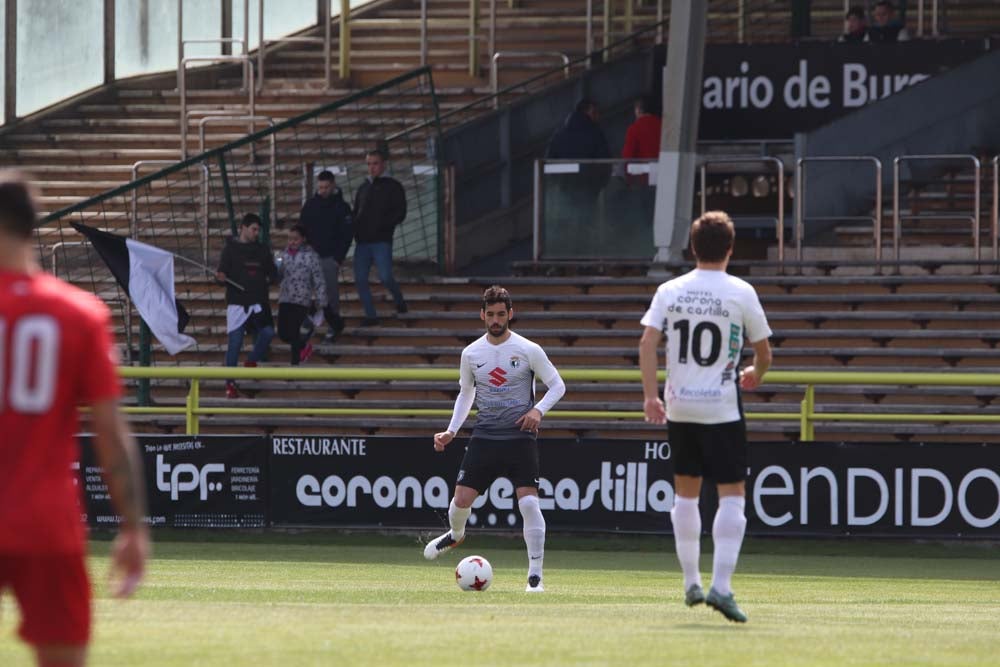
pixel 486 459
pixel 718 451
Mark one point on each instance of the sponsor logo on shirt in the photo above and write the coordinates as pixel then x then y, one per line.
pixel 498 377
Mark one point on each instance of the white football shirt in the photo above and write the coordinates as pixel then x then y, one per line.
pixel 705 316
pixel 501 381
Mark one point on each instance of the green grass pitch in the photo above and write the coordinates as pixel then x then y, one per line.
pixel 333 599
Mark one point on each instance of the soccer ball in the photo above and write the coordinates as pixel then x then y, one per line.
pixel 474 573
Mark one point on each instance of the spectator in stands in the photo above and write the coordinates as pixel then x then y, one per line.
pixel 581 138
pixel 642 138
pixel 248 269
pixel 571 201
pixel 326 219
pixel 885 26
pixel 302 279
pixel 379 207
pixel 857 27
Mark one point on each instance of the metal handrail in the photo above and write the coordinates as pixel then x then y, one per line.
pixel 897 226
pixel 182 87
pixel 800 191
pixel 780 220
pixel 181 42
pixel 272 172
pixel 133 221
pixel 538 191
pixel 807 415
pixel 495 66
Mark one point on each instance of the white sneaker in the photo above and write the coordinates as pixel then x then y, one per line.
pixel 441 544
pixel 534 585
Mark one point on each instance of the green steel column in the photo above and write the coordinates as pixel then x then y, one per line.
pixel 607 27
pixel 473 38
pixel 193 397
pixel 227 193
pixel 806 433
pixel 265 221
pixel 345 39
pixel 145 358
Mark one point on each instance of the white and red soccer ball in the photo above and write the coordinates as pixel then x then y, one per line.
pixel 474 573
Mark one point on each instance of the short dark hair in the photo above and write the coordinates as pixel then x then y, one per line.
pixel 299 229
pixel 496 294
pixel 18 210
pixel 885 3
pixel 712 236
pixel 586 105
pixel 250 219
pixel 326 175
pixel 856 11
pixel 647 103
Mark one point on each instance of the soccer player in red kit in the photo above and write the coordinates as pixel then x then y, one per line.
pixel 56 353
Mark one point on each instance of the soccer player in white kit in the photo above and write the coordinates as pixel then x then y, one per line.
pixel 498 372
pixel 705 315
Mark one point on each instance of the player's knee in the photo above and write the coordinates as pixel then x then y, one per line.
pixel 531 512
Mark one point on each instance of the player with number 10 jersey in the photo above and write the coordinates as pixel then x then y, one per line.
pixel 705 316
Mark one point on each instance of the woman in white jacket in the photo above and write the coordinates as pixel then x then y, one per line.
pixel 302 285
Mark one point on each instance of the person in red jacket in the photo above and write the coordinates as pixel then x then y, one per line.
pixel 56 353
pixel 642 138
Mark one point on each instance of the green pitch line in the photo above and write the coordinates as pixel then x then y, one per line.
pixel 322 599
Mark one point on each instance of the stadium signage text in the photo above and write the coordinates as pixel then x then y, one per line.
pixel 293 446
pixel 775 480
pixel 775 90
pixel 929 490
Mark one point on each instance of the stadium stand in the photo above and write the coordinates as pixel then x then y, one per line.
pixel 934 318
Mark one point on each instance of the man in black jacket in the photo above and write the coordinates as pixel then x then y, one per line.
pixel 248 264
pixel 327 221
pixel 571 199
pixel 379 206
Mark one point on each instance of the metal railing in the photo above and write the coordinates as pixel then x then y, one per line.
pixel 325 40
pixel 807 416
pixel 780 166
pixel 550 166
pixel 182 87
pixel 897 226
pixel 272 176
pixel 202 218
pixel 800 195
pixel 495 66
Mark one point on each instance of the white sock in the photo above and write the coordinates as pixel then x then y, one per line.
pixel 687 537
pixel 534 533
pixel 457 516
pixel 727 534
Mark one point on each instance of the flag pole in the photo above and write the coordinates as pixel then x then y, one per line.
pixel 207 269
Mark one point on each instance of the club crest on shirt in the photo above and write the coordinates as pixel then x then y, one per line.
pixel 515 361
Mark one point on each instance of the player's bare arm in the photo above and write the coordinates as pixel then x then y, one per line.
pixel 652 404
pixel 119 458
pixel 752 376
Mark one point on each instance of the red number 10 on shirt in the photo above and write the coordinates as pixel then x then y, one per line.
pixel 31 347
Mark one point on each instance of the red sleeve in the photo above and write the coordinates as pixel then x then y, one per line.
pixel 99 362
pixel 631 147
